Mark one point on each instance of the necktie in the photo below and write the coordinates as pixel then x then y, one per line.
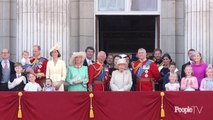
pixel 5 66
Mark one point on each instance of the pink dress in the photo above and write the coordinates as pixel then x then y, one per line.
pixel 189 83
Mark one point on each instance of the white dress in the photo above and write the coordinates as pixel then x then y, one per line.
pixel 172 86
pixel 30 86
pixel 121 81
pixel 56 72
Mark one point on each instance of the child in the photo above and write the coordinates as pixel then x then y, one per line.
pixel 17 80
pixel 173 85
pixel 25 60
pixel 207 83
pixel 172 69
pixel 32 85
pixel 48 86
pixel 189 83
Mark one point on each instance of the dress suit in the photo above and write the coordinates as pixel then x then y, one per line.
pixel 4 86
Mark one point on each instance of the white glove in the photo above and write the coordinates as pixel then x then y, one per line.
pixel 17 81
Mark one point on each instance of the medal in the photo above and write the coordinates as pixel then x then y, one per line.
pixel 146 75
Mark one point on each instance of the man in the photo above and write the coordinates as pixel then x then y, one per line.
pixel 109 61
pixel 89 55
pixel 6 70
pixel 98 74
pixel 157 57
pixel 145 71
pixel 39 64
pixel 190 53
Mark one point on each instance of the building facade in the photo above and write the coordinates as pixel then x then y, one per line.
pixel 177 25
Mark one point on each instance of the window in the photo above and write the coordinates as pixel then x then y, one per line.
pixel 122 7
pixel 144 5
pixel 111 5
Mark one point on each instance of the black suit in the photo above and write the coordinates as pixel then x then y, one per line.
pixel 183 68
pixel 4 86
pixel 85 62
pixel 19 87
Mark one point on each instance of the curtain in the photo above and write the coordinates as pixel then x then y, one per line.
pixel 144 5
pixel 111 5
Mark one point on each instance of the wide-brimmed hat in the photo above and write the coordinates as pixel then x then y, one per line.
pixel 121 61
pixel 76 54
pixel 56 47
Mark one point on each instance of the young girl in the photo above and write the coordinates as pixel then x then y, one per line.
pixel 32 85
pixel 48 85
pixel 189 83
pixel 173 85
pixel 207 83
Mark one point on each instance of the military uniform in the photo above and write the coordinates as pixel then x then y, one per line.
pixel 39 67
pixel 98 76
pixel 146 73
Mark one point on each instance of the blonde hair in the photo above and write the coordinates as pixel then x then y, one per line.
pixel 174 74
pixel 209 67
pixel 192 74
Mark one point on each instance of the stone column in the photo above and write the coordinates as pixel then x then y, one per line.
pixel 4 24
pixel 199 27
pixel 43 22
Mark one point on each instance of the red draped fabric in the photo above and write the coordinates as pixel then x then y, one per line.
pixel 107 105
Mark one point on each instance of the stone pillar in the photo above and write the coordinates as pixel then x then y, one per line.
pixel 86 16
pixel 199 27
pixel 167 28
pixel 4 24
pixel 43 22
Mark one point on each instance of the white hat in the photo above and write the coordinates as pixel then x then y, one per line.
pixel 56 47
pixel 76 54
pixel 121 61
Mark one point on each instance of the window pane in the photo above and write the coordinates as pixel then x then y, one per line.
pixel 144 5
pixel 111 5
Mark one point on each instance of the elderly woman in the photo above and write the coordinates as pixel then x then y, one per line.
pixel 199 67
pixel 77 75
pixel 56 69
pixel 121 79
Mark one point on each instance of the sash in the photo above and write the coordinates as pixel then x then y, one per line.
pixel 141 70
pixel 101 76
pixel 37 63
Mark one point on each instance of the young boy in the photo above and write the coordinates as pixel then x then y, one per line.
pixel 18 80
pixel 48 86
pixel 25 60
pixel 32 85
pixel 172 69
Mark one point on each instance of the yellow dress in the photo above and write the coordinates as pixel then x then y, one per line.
pixel 56 72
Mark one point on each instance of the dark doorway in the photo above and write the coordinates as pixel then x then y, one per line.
pixel 125 34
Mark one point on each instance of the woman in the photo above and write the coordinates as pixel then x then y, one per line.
pixel 56 69
pixel 199 67
pixel 163 70
pixel 121 79
pixel 77 75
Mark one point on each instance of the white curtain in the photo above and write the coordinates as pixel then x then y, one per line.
pixel 144 5
pixel 111 5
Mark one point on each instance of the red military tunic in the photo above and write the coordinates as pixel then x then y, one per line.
pixel 151 72
pixel 39 66
pixel 95 70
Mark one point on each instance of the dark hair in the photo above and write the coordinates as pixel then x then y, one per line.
pixel 167 55
pixel 59 54
pixel 18 64
pixel 191 50
pixel 158 49
pixel 49 79
pixel 90 48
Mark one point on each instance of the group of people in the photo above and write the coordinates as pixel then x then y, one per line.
pixel 108 73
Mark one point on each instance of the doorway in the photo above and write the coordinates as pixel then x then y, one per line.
pixel 127 33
